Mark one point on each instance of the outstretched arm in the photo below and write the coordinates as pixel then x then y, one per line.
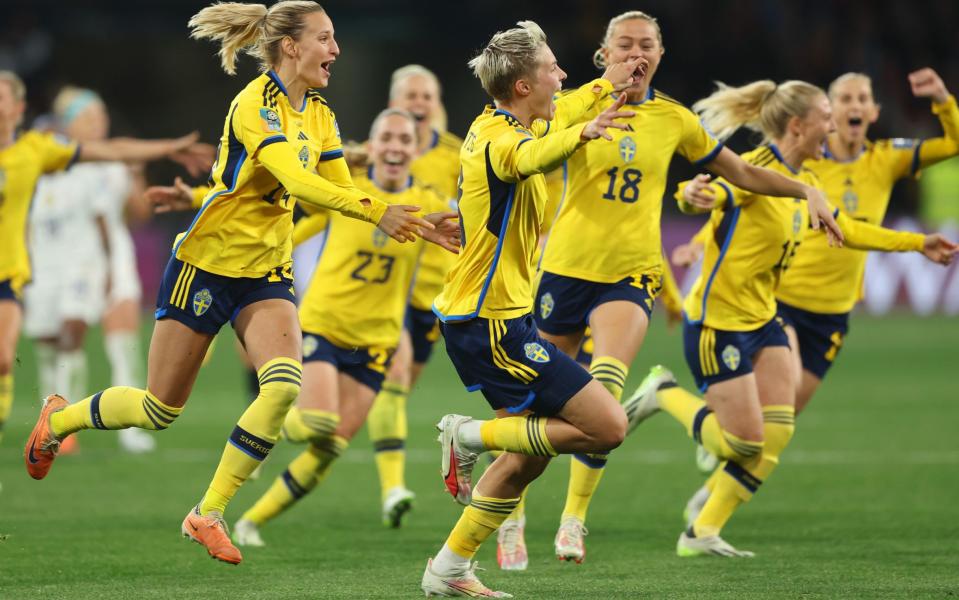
pixel 926 83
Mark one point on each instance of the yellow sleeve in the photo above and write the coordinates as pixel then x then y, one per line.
pixel 309 226
pixel 938 149
pixel 671 295
pixel 702 236
pixel 696 144
pixel 199 195
pixel 865 236
pixel 515 156
pixel 573 107
pixel 56 152
pixel 730 195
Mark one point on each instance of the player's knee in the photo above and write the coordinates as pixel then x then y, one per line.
pixel 520 470
pixel 279 382
pixel 611 435
pixel 742 448
pixel 6 360
pixel 159 415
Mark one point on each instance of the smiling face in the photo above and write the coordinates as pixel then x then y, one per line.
pixel 315 50
pixel 632 39
pixel 419 95
pixel 854 109
pixel 393 147
pixel 542 84
pixel 810 131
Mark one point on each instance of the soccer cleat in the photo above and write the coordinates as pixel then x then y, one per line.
pixel 710 545
pixel 210 531
pixel 459 584
pixel 569 540
pixel 135 441
pixel 399 501
pixel 42 446
pixel 457 464
pixel 511 546
pixel 706 461
pixel 246 533
pixel 695 505
pixel 643 404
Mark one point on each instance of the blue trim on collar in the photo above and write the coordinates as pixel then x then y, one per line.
pixel 279 83
pixel 435 141
pixel 779 157
pixel 649 96
pixel 829 155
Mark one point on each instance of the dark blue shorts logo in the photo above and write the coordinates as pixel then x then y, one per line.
pixel 536 353
pixel 546 305
pixel 202 301
pixel 309 345
pixel 731 357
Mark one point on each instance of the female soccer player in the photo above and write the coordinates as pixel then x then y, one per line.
pixel 279 141
pixel 351 316
pixel 23 159
pixel 735 345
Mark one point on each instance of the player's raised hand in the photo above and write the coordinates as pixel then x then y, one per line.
pixel 178 196
pixel 821 215
pixel 401 223
pixel 196 157
pixel 938 249
pixel 447 232
pixel 926 83
pixel 685 255
pixel 607 119
pixel 622 75
pixel 699 193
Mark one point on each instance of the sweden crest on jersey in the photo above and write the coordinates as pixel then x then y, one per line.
pixel 310 344
pixel 536 353
pixel 304 156
pixel 546 305
pixel 380 238
pixel 797 222
pixel 627 148
pixel 202 301
pixel 850 201
pixel 731 357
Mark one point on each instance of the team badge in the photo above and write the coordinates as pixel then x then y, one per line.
pixel 304 156
pixel 850 201
pixel 380 238
pixel 904 143
pixel 546 305
pixel 271 120
pixel 627 148
pixel 797 221
pixel 310 344
pixel 202 301
pixel 536 353
pixel 731 357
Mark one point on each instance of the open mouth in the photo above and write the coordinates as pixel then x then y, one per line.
pixel 419 116
pixel 393 162
pixel 640 72
pixel 327 67
pixel 855 121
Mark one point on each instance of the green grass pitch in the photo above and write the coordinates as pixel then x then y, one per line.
pixel 862 506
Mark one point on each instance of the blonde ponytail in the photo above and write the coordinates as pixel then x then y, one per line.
pixel 251 28
pixel 760 106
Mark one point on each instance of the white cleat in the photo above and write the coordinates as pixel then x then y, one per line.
pixel 246 533
pixel 643 403
pixel 458 462
pixel 695 505
pixel 706 461
pixel 135 441
pixel 511 545
pixel 569 540
pixel 710 545
pixel 399 501
pixel 459 584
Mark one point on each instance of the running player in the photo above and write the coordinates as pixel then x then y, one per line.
pixel 735 345
pixel 279 141
pixel 351 316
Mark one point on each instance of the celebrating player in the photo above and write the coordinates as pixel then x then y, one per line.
pixel 279 141
pixel 735 346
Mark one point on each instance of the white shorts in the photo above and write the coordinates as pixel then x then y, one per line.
pixel 53 298
pixel 124 277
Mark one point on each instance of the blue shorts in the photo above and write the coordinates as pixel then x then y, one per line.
pixel 512 365
pixel 365 365
pixel 820 336
pixel 715 355
pixel 424 330
pixel 563 304
pixel 11 290
pixel 204 302
pixel 585 354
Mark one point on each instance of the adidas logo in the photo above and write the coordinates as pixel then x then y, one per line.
pixel 302 136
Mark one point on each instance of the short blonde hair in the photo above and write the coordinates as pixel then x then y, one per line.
pixel 389 112
pixel 403 73
pixel 252 28
pixel 598 59
pixel 762 106
pixel 508 56
pixel 16 85
pixel 851 76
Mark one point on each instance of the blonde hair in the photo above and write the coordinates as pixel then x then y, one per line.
pixel 400 75
pixel 71 101
pixel 15 83
pixel 389 112
pixel 762 106
pixel 252 28
pixel 852 76
pixel 598 59
pixel 509 55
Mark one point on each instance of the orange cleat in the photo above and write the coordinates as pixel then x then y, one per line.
pixel 42 446
pixel 210 532
pixel 69 445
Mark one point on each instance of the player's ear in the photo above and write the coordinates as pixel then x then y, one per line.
pixel 521 88
pixel 288 46
pixel 794 126
pixel 874 114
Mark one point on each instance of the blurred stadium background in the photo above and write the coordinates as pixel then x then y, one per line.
pixel 847 517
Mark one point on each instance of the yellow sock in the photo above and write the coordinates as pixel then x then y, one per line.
pixel 611 373
pixel 520 511
pixel 702 425
pixel 6 399
pixel 307 424
pixel 523 435
pixel 388 430
pixel 301 477
pixel 255 432
pixel 479 520
pixel 712 479
pixel 115 408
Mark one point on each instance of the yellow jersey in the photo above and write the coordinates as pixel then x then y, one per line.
pixel 829 280
pixel 608 226
pixel 21 164
pixel 358 295
pixel 438 167
pixel 245 221
pixel 754 239
pixel 502 204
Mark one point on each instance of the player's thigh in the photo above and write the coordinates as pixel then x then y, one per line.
pixel 596 413
pixel 808 384
pixel 736 405
pixel 618 329
pixel 402 361
pixel 509 475
pixel 176 353
pixel 794 348
pixel 11 316
pixel 356 399
pixel 242 355
pixel 123 315
pixel 269 329
pixel 320 389
pixel 567 343
pixel 776 376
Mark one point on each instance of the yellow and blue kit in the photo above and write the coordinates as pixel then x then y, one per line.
pixel 485 305
pixel 271 154
pixel 823 284
pixel 353 310
pixel 730 313
pixel 21 164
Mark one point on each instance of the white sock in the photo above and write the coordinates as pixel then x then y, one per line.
pixel 71 374
pixel 46 367
pixel 447 562
pixel 469 436
pixel 123 351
